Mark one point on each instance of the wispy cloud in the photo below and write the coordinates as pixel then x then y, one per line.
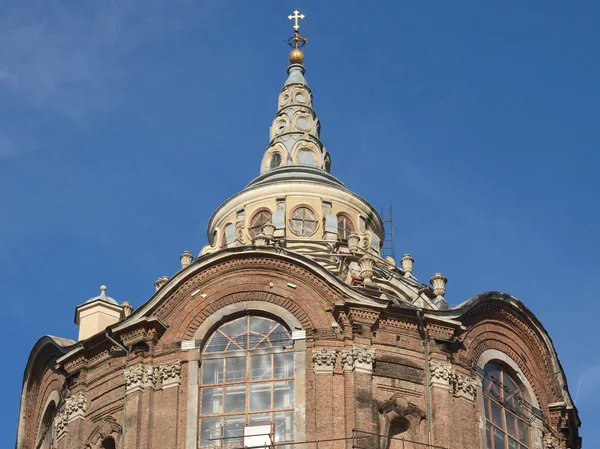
pixel 65 59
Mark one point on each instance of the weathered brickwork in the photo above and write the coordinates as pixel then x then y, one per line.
pixel 369 375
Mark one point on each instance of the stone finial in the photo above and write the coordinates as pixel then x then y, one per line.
pixel 407 264
pixel 186 259
pixel 439 281
pixel 268 230
pixel 127 308
pixel 366 264
pixel 353 241
pixel 160 282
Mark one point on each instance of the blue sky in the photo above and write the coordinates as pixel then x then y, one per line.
pixel 123 125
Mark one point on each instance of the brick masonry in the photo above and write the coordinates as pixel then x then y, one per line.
pixel 344 398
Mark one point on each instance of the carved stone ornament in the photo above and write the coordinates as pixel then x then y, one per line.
pixel 444 376
pixel 170 374
pixel 358 359
pixel 551 442
pixel 74 408
pixel 324 360
pixel 140 377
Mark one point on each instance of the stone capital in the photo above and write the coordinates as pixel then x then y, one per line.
pixel 170 374
pixel 358 359
pixel 73 409
pixel 324 360
pixel 139 377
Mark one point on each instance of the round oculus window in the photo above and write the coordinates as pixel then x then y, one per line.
pixel 285 98
pixel 303 221
pixel 300 97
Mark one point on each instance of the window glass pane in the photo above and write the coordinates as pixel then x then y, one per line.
pixel 235 328
pixel 498 439
pixel 212 371
pixel 260 367
pixel 235 369
pixel 491 381
pixel 284 426
pixel 511 425
pixel 283 394
pixel 497 414
pixel 283 365
pixel 280 337
pixel 260 419
pixel 212 400
pixel 261 325
pixel 210 432
pixel 217 343
pixel 512 444
pixel 488 435
pixel 235 398
pixel 260 396
pixel 523 432
pixel 233 428
pixel 239 343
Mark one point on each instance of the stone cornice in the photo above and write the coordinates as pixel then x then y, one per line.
pixel 239 254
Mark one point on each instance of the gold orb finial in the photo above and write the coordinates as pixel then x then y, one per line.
pixel 296 56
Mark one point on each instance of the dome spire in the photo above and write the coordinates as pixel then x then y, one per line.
pixel 295 133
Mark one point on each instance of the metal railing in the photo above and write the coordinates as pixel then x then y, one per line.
pixel 357 437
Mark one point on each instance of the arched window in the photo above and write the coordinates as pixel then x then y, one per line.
pixel 345 227
pixel 247 379
pixel 275 160
pixel 507 425
pixel 303 221
pixel 259 219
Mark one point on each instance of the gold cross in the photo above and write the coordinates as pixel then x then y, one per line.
pixel 295 17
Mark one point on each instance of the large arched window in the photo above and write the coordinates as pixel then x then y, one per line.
pixel 507 425
pixel 246 379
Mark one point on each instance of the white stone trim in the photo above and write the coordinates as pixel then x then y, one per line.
pixel 73 409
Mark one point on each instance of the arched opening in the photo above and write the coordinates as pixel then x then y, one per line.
pixel 275 160
pixel 345 227
pixel 45 432
pixel 246 379
pixel 108 443
pixel 506 416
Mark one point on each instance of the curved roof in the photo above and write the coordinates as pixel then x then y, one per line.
pixel 102 297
